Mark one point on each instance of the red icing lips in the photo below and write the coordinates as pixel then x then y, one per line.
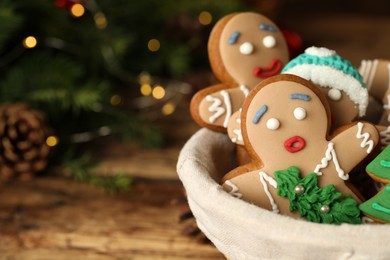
pixel 273 69
pixel 294 144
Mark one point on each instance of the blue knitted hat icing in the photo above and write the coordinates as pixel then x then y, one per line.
pixel 327 69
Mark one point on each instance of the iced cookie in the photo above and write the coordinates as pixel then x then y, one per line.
pixel 285 122
pixel 336 77
pixel 244 49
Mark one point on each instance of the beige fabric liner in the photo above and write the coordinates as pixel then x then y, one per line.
pixel 243 231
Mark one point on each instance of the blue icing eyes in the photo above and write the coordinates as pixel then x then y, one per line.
pixel 267 27
pixel 259 114
pixel 300 96
pixel 233 38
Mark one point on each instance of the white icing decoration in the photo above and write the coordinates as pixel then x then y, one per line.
pixel 387 106
pixel 263 179
pixel 320 52
pixel 330 154
pixel 228 105
pixel 246 48
pixel 366 138
pixel 244 90
pixel 237 131
pixel 273 123
pixel 215 107
pixel 269 41
pixel 234 191
pixel 334 94
pixel 300 113
pixel 385 136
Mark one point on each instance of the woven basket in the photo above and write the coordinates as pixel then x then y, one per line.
pixel 244 231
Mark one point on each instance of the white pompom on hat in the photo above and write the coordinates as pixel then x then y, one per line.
pixel 327 69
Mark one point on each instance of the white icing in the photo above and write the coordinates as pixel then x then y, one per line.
pixel 246 48
pixel 330 154
pixel 321 52
pixel 237 131
pixel 334 94
pixel 366 138
pixel 300 113
pixel 372 73
pixel 226 98
pixel 215 107
pixel 269 41
pixel 385 137
pixel 273 123
pixel 244 90
pixel 264 178
pixel 234 191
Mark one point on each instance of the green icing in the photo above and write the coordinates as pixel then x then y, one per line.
pixel 385 163
pixel 309 202
pixel 380 166
pixel 379 205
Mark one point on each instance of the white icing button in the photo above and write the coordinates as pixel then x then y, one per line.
pixel 246 48
pixel 273 123
pixel 334 94
pixel 269 41
pixel 300 113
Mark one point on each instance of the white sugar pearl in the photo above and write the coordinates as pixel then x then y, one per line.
pixel 246 48
pixel 334 94
pixel 269 41
pixel 300 113
pixel 273 123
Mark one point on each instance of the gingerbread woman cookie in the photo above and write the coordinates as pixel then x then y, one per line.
pixel 285 123
pixel 244 49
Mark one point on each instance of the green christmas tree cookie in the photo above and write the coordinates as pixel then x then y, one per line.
pixel 379 168
pixel 378 207
pixel 321 205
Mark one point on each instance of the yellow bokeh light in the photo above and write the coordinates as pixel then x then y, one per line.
pixel 115 100
pixel 52 141
pixel 168 109
pixel 158 92
pixel 154 45
pixel 144 78
pixel 77 10
pixel 205 18
pixel 100 20
pixel 30 42
pixel 146 89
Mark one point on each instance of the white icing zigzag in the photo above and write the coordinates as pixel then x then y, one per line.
pixel 263 179
pixel 366 138
pixel 385 136
pixel 238 131
pixel 244 90
pixel 329 155
pixel 217 109
pixel 234 192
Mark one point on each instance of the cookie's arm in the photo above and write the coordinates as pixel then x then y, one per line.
pixel 354 144
pixel 212 107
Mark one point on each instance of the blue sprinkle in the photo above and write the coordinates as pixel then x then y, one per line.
pixel 267 27
pixel 259 114
pixel 300 96
pixel 233 38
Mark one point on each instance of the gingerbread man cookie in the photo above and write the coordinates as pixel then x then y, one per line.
pixel 285 123
pixel 376 75
pixel 244 49
pixel 336 77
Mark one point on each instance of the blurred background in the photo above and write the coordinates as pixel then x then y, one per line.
pixel 94 101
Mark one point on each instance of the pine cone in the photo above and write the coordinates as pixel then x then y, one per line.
pixel 23 148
